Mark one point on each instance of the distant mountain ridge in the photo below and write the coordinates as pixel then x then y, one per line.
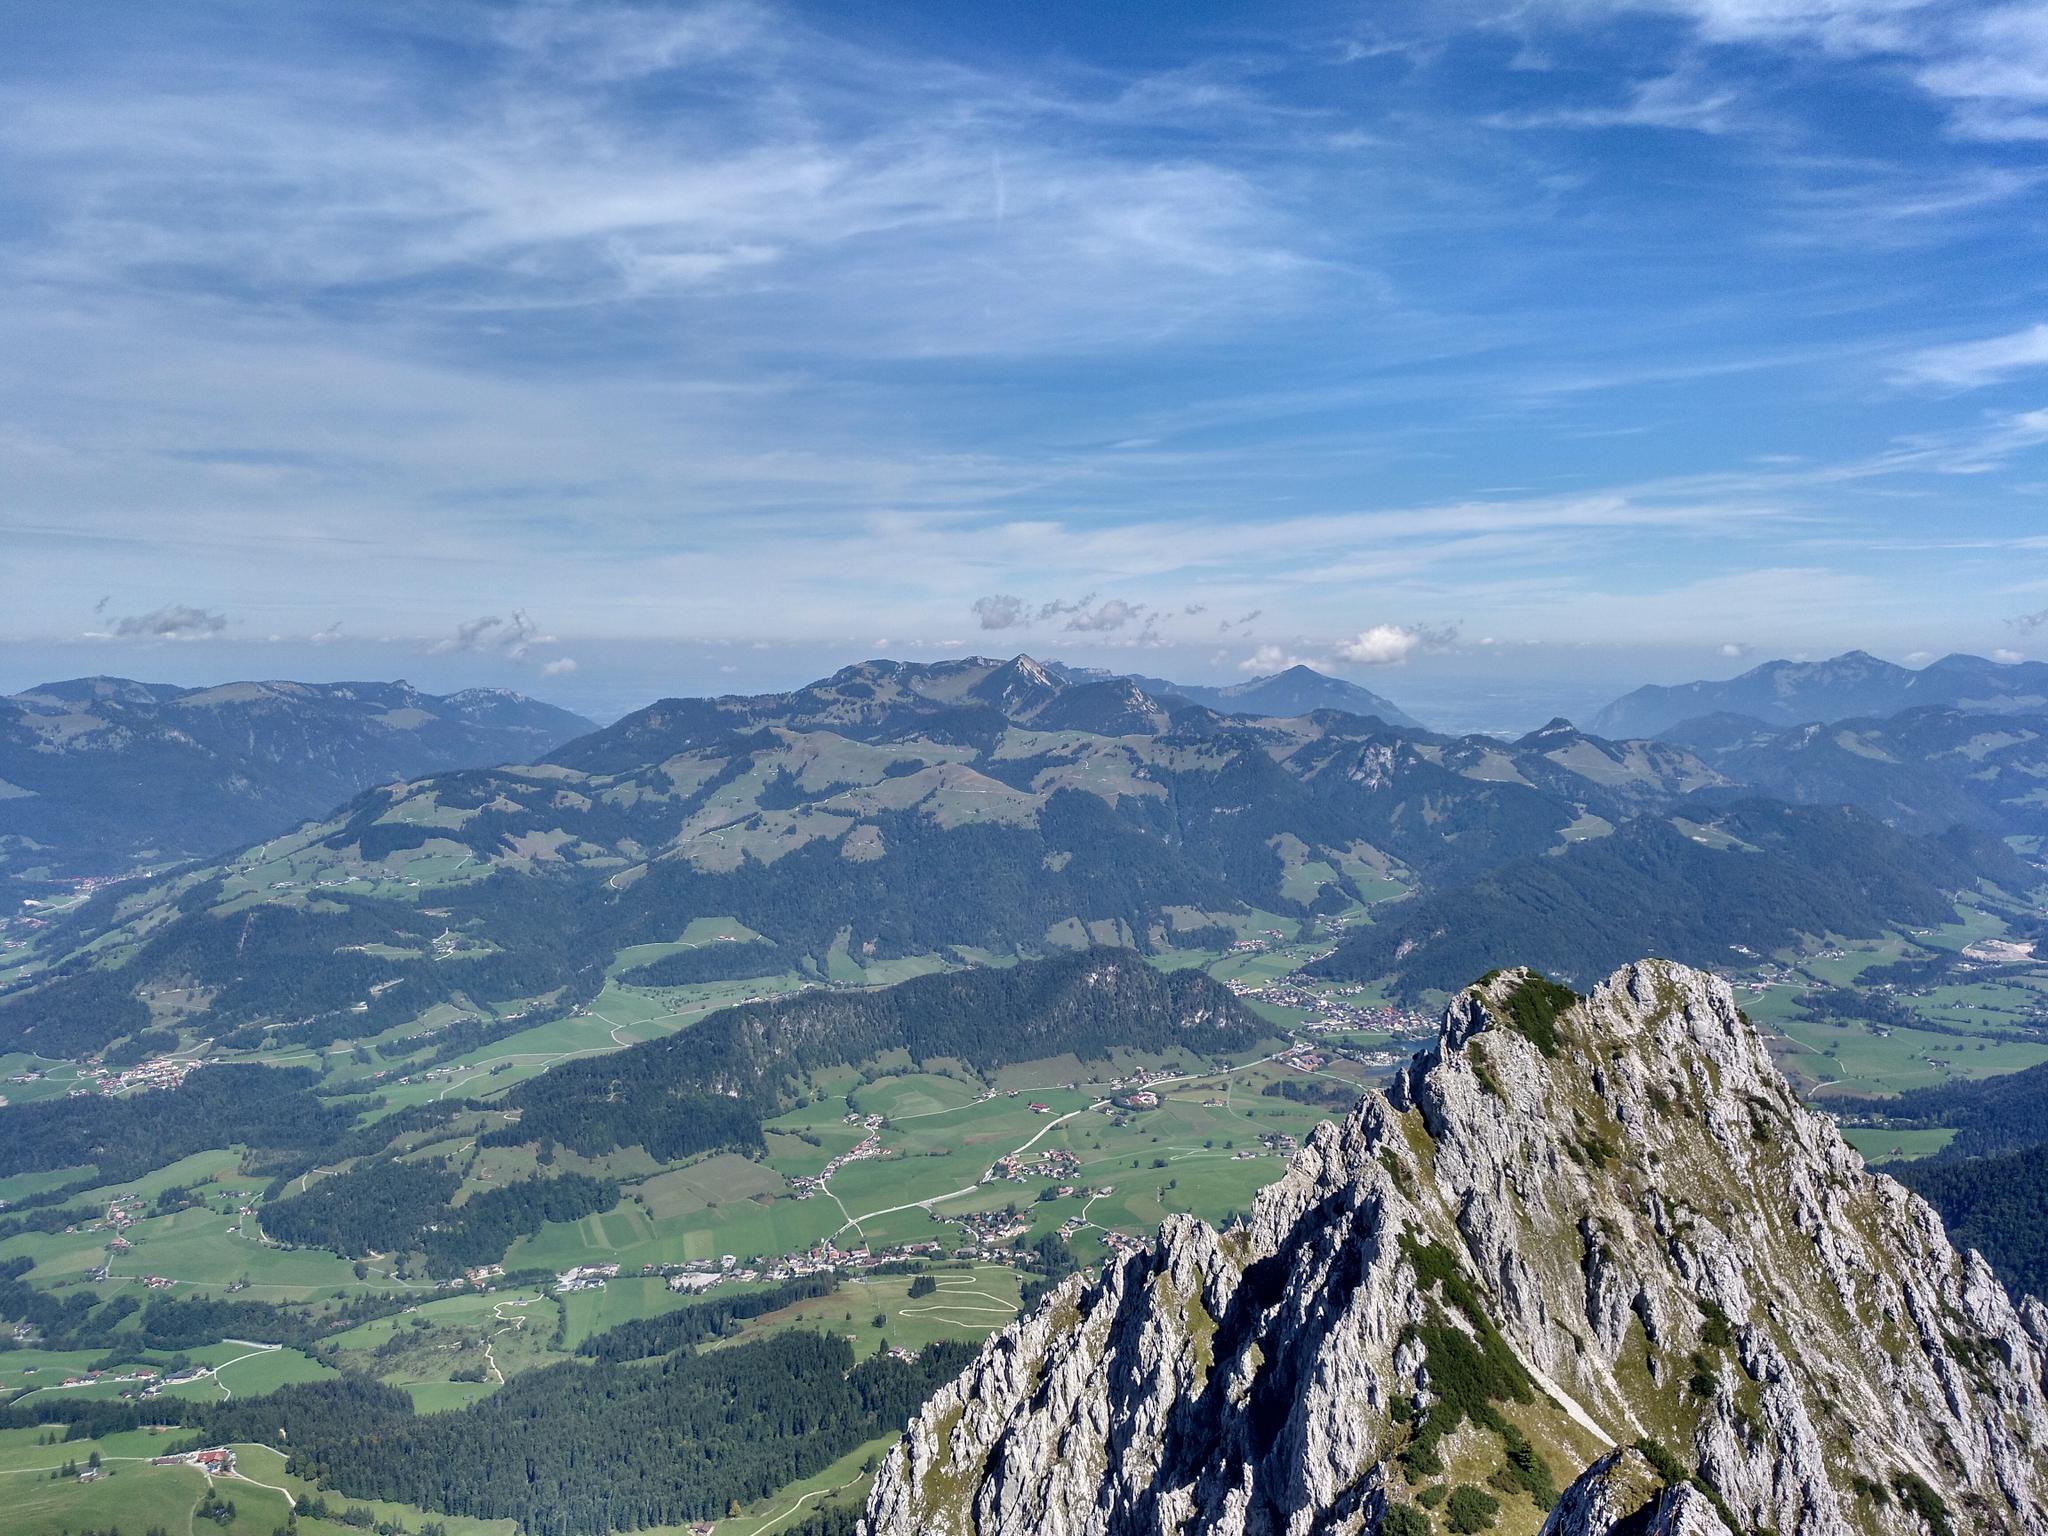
pixel 1854 684
pixel 100 774
pixel 1299 690
pixel 1921 770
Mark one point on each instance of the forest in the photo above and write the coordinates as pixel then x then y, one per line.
pixel 710 1085
pixel 590 1447
pixel 1990 1115
pixel 1997 1205
pixel 265 1108
pixel 391 1206
pixel 686 1327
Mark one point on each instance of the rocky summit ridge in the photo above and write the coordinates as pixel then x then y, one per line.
pixel 1588 1268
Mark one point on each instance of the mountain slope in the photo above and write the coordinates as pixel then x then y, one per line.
pixel 100 774
pixel 1921 770
pixel 1846 686
pixel 1756 874
pixel 1297 691
pixel 1593 1268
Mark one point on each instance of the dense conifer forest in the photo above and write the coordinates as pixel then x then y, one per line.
pixel 392 1206
pixel 590 1447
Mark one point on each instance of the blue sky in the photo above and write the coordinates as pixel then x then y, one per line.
pixel 1533 348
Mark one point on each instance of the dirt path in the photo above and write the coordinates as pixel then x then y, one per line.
pixel 816 1493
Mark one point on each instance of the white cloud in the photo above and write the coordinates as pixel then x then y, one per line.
pixel 1384 645
pixel 1113 614
pixel 2006 656
pixel 1684 100
pixel 489 633
pixel 1973 364
pixel 561 666
pixel 1734 649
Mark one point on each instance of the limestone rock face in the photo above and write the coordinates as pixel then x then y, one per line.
pixel 1587 1267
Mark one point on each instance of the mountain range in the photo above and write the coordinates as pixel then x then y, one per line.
pixel 1850 685
pixel 959 811
pixel 1586 1264
pixel 99 775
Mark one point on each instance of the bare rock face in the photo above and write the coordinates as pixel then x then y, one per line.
pixel 1588 1267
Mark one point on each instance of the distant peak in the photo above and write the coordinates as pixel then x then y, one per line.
pixel 1554 732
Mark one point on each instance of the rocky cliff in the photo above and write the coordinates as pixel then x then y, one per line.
pixel 1587 1268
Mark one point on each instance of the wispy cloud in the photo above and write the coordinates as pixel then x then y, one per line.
pixel 1972 364
pixel 513 638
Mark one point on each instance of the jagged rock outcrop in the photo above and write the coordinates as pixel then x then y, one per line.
pixel 1588 1267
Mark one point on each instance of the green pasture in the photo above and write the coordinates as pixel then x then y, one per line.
pixel 1881 1145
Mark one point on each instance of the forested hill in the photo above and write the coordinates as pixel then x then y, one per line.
pixel 710 1085
pixel 1757 874
pixel 101 773
pixel 1921 771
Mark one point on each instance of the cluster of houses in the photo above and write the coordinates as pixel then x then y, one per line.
pixel 988 1229
pixel 135 1373
pixel 869 1146
pixel 157 1072
pixel 1016 1167
pixel 1138 1079
pixel 585 1277
pixel 1333 1012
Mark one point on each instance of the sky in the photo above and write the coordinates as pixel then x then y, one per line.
pixel 1499 355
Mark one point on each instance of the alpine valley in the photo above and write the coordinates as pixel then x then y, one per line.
pixel 433 1116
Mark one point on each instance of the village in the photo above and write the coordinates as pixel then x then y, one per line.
pixel 1330 1011
pixel 869 1146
